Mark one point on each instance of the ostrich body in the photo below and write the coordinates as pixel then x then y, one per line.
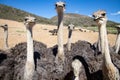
pixel 117 44
pixel 29 66
pixel 110 72
pixel 60 9
pixel 70 28
pixel 5 27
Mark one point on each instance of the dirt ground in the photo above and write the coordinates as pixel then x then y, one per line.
pixel 17 34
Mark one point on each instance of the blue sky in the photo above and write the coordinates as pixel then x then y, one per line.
pixel 46 8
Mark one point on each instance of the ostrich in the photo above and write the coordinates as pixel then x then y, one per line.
pixel 70 28
pixel 76 65
pixel 5 27
pixel 60 7
pixel 97 46
pixel 29 66
pixel 117 44
pixel 110 72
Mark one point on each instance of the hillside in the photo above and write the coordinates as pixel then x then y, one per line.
pixel 7 12
pixel 80 20
pixel 17 34
pixel 10 13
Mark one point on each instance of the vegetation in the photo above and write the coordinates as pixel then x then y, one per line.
pixel 111 30
pixel 80 20
pixel 7 12
pixel 20 31
pixel 85 22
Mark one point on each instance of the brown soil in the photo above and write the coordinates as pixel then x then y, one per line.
pixel 17 34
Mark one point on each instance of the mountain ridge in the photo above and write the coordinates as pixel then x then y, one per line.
pixel 80 20
pixel 10 13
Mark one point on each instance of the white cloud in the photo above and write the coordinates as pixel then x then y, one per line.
pixel 90 15
pixel 117 13
pixel 76 11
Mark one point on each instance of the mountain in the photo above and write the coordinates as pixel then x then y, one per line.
pixel 7 12
pixel 80 20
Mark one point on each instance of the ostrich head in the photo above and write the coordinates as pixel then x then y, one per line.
pixel 5 26
pixel 60 6
pixel 29 22
pixel 71 26
pixel 118 28
pixel 100 17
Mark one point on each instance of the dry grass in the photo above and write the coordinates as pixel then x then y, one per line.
pixel 17 34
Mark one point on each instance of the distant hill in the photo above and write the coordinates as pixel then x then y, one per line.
pixel 80 20
pixel 7 12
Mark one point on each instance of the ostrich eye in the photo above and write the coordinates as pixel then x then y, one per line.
pixel 35 19
pixel 55 5
pixel 103 14
pixel 68 27
pixel 64 5
pixel 26 19
pixel 93 15
pixel 6 25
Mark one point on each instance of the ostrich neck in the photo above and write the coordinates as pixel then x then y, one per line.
pixel 69 39
pixel 60 29
pixel 69 36
pixel 101 38
pixel 104 44
pixel 6 38
pixel 70 33
pixel 117 44
pixel 29 45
